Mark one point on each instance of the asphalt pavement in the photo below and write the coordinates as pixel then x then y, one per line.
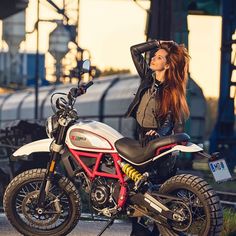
pixel 84 228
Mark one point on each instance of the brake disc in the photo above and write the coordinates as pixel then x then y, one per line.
pixel 41 217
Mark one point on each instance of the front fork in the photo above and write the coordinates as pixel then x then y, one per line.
pixel 56 148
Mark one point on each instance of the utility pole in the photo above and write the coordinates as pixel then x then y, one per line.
pixel 37 65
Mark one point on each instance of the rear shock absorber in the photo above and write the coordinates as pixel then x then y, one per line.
pixel 130 171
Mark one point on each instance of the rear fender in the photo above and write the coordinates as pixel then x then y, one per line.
pixel 23 152
pixel 189 147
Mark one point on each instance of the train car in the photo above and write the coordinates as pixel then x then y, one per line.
pixel 106 101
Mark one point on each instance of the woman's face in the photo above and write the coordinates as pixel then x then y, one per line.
pixel 159 62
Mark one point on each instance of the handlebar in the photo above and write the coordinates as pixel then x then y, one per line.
pixel 90 83
pixel 76 92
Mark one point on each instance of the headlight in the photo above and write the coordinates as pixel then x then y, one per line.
pixel 51 126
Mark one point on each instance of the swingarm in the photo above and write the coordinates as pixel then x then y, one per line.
pixel 156 205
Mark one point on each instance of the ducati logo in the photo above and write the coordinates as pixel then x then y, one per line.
pixel 77 138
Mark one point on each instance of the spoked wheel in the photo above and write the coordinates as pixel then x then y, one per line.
pixel 200 210
pixel 61 209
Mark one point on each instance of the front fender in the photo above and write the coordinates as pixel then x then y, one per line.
pixel 23 152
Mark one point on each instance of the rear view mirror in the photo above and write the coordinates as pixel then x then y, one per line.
pixel 86 66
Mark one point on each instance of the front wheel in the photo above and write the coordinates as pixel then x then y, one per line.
pixel 61 210
pixel 202 202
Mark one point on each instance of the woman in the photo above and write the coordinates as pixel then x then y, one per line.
pixel 160 102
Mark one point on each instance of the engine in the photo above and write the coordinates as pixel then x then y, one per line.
pixel 104 195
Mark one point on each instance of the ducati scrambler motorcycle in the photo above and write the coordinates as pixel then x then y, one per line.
pixel 120 176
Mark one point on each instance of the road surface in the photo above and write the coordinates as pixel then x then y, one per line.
pixel 84 228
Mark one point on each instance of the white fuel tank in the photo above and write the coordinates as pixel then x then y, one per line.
pixel 92 136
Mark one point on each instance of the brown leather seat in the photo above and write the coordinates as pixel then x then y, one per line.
pixel 132 151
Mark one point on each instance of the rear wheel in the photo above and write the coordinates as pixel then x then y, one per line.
pixel 60 213
pixel 206 216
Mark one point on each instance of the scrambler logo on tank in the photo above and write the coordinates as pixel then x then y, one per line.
pixel 77 138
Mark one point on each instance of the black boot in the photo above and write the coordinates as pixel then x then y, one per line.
pixel 139 229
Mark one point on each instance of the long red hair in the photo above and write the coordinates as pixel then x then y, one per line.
pixel 173 94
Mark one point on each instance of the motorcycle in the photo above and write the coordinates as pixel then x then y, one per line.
pixel 120 176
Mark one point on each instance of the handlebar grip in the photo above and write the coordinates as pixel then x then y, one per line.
pixel 88 84
pixel 82 89
pixel 76 92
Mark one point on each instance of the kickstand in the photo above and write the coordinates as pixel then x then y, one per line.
pixel 108 224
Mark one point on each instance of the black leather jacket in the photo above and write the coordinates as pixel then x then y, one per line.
pixel 145 73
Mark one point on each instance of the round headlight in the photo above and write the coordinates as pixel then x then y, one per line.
pixel 51 126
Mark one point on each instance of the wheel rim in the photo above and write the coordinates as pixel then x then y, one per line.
pixel 56 213
pixel 198 212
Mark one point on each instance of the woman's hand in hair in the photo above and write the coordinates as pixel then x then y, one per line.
pixel 151 132
pixel 159 42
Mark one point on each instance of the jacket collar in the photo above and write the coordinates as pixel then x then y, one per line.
pixel 156 82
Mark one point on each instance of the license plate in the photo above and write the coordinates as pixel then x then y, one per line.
pixel 220 170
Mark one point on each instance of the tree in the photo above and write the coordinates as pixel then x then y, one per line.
pixel 113 71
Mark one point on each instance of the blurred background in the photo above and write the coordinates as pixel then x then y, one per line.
pixel 43 42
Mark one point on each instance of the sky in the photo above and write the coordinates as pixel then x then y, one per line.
pixel 108 29
pixel 204 49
